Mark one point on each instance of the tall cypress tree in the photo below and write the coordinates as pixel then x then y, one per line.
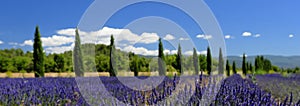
pixel 227 68
pixel 38 55
pixel 196 62
pixel 234 68
pixel 77 56
pixel 179 59
pixel 221 62
pixel 244 67
pixel 112 71
pixel 161 59
pixel 209 62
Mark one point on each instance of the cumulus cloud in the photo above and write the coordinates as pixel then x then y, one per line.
pixel 257 35
pixel 291 36
pixel 140 50
pixel 51 41
pixel 246 34
pixel 58 50
pixel 189 53
pixel 1 42
pixel 27 43
pixel 228 37
pixel 182 39
pixel 145 51
pixel 202 36
pixel 169 37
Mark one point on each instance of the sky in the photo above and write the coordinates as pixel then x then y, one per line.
pixel 254 27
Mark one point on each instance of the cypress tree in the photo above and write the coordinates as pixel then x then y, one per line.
pixel 77 56
pixel 161 59
pixel 227 68
pixel 251 68
pixel 209 62
pixel 221 62
pixel 244 65
pixel 38 54
pixel 112 71
pixel 179 59
pixel 234 68
pixel 196 62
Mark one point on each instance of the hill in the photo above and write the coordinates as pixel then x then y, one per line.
pixel 280 61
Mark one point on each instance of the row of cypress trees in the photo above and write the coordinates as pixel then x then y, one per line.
pixel 38 59
pixel 38 55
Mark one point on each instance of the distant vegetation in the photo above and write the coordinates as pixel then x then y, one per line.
pixel 16 60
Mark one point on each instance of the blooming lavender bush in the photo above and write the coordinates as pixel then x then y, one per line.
pixel 205 90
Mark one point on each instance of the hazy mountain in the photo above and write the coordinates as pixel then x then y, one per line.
pixel 281 61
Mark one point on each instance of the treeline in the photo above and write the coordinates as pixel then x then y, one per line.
pixel 106 58
pixel 16 60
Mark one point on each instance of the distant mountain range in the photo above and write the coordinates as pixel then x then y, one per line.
pixel 281 61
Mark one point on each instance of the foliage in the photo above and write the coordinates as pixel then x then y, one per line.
pixel 202 62
pixel 262 63
pixel 209 61
pixel 196 62
pixel 77 56
pixel 227 68
pixel 161 59
pixel 244 66
pixel 59 63
pixel 221 63
pixel 179 60
pixel 234 68
pixel 38 54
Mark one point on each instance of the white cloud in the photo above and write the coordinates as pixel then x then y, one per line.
pixel 119 35
pixel 140 50
pixel 247 34
pixel 51 41
pixel 182 39
pixel 204 36
pixel 27 43
pixel 148 38
pixel 169 37
pixel 189 53
pixel 291 36
pixel 146 52
pixel 57 40
pixel 245 55
pixel 170 51
pixel 61 49
pixel 228 36
pixel 1 42
pixel 68 32
pixel 257 35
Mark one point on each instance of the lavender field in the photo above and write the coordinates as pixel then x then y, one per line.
pixel 234 90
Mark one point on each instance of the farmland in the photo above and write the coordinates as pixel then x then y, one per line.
pixel 233 90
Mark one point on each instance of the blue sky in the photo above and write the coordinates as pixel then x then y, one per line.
pixel 271 24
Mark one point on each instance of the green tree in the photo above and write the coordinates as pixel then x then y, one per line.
pixel 227 68
pixel 244 69
pixel 267 65
pixel 179 60
pixel 135 64
pixel 202 62
pixel 38 54
pixel 59 62
pixel 209 62
pixel 196 62
pixel 251 68
pixel 221 62
pixel 77 53
pixel 161 59
pixel 234 68
pixel 112 70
